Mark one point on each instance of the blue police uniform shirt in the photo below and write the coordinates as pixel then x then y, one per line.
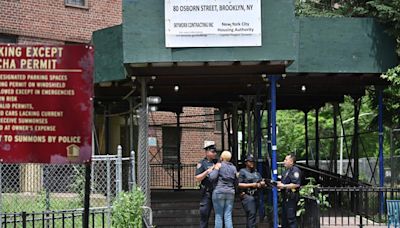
pixel 202 166
pixel 292 176
pixel 246 176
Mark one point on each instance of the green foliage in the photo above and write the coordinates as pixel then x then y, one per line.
pixel 291 130
pixel 315 9
pixel 391 96
pixel 308 191
pixel 393 75
pixel 388 13
pixel 78 185
pixel 127 209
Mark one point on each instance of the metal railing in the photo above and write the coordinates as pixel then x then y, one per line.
pixel 311 216
pixel 326 178
pixel 62 218
pixel 165 176
pixel 148 223
pixel 356 206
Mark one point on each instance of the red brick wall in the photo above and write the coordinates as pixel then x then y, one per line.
pixel 35 40
pixel 193 135
pixel 52 20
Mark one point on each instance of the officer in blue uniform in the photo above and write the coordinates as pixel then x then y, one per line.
pixel 250 181
pixel 290 184
pixel 203 169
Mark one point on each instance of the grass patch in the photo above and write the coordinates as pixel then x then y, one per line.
pixel 31 202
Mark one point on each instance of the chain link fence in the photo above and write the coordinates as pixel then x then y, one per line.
pixel 33 188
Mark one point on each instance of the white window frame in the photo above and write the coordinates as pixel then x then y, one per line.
pixel 84 6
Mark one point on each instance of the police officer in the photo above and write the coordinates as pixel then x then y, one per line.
pixel 204 168
pixel 290 184
pixel 250 182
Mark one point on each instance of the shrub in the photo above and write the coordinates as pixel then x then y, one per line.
pixel 308 191
pixel 127 209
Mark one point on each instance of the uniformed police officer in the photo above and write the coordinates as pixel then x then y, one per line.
pixel 250 182
pixel 204 168
pixel 290 184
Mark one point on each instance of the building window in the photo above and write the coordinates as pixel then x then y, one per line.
pixel 8 39
pixel 170 137
pixel 217 120
pixel 76 3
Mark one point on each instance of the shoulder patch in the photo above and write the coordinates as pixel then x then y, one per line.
pixel 198 165
pixel 296 175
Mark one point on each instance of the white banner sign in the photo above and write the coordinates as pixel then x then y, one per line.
pixel 212 23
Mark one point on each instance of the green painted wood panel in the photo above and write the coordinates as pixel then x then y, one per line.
pixel 144 39
pixel 108 55
pixel 343 45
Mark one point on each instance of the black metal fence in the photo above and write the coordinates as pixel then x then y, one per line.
pixel 311 216
pixel 173 176
pixel 357 206
pixel 59 219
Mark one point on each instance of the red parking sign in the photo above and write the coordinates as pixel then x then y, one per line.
pixel 46 103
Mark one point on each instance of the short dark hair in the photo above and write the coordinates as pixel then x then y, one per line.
pixel 293 157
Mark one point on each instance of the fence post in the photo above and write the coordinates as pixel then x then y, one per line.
pixel 118 173
pixel 360 208
pixel 133 171
pixel 86 207
pixel 23 215
pixel 317 219
pixel 47 191
pixel 108 164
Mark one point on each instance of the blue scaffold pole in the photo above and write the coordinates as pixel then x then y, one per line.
pixel 380 130
pixel 272 80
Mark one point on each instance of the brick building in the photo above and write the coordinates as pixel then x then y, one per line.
pixel 56 22
pixel 73 22
pixel 198 124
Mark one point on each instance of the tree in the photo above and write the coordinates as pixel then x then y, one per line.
pixel 291 130
pixel 388 13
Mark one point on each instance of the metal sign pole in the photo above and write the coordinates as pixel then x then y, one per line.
pixel 85 217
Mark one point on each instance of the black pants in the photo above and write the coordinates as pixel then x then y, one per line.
pixel 289 208
pixel 205 208
pixel 249 204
